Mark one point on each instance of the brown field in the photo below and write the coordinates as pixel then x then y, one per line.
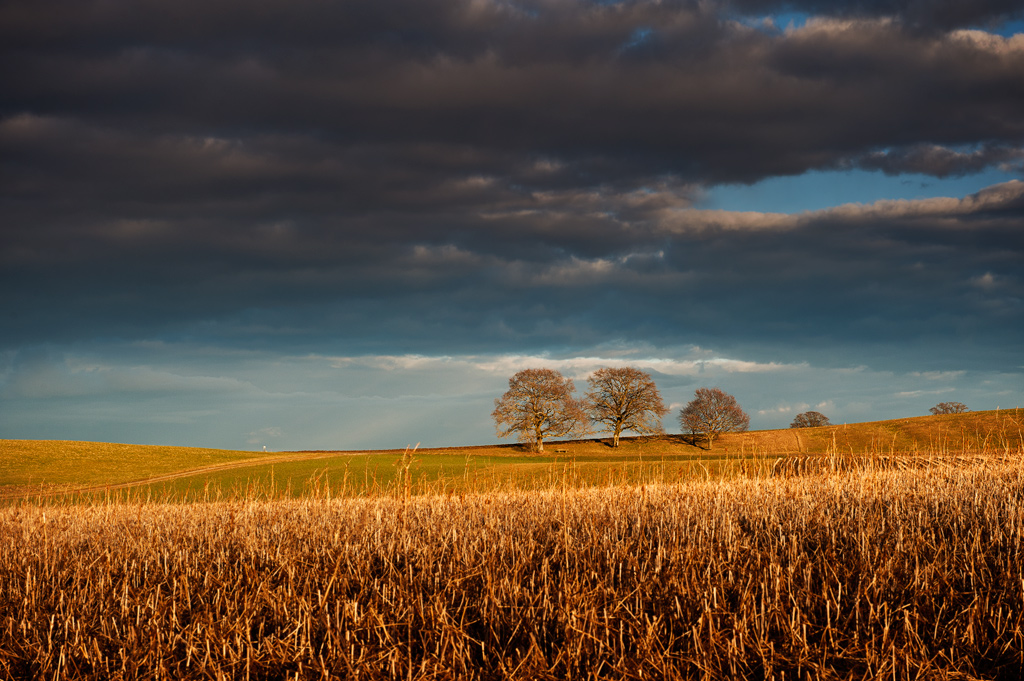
pixel 863 574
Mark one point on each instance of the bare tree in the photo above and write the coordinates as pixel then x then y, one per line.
pixel 539 404
pixel 625 399
pixel 713 412
pixel 810 419
pixel 949 408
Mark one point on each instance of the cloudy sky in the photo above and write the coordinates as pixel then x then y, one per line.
pixel 344 224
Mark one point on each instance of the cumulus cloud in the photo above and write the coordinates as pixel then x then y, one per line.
pixel 577 367
pixel 784 409
pixel 939 161
pixel 986 282
pixel 920 393
pixel 886 272
pixel 937 375
pixel 259 437
pixel 931 15
pixel 704 98
pixel 352 401
pixel 43 373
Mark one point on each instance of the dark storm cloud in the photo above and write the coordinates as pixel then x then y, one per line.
pixel 940 161
pixel 428 174
pixel 614 92
pixel 560 270
pixel 934 14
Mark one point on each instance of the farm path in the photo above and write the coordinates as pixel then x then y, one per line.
pixel 21 491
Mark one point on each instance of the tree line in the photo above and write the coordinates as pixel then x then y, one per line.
pixel 540 404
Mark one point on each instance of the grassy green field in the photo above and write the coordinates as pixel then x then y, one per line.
pixel 56 464
pixel 30 468
pixel 382 473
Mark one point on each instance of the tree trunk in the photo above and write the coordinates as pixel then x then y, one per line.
pixel 615 438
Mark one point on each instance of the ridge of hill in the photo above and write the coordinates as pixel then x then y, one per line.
pixel 976 431
pixel 55 466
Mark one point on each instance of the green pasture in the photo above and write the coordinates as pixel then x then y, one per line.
pixel 87 470
pixel 59 463
pixel 385 474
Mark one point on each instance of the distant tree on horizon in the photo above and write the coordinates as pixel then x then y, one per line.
pixel 713 412
pixel 810 419
pixel 539 403
pixel 949 408
pixel 625 398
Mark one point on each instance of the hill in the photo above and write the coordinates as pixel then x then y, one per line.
pixel 982 431
pixel 68 464
pixel 32 467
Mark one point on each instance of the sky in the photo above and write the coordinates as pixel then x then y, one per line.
pixel 314 224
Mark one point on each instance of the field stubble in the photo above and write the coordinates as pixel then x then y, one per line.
pixel 846 574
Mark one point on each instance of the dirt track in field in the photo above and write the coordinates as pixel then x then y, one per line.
pixel 36 491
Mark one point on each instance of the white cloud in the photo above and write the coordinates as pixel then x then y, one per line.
pixel 937 375
pixel 575 271
pixel 922 393
pixel 987 281
pixel 685 220
pixel 180 394
pixel 784 409
pixel 260 436
pixel 991 42
pixel 577 367
pixel 69 375
pixel 448 255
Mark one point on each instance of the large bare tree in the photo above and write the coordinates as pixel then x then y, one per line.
pixel 713 412
pixel 539 404
pixel 810 419
pixel 624 398
pixel 949 408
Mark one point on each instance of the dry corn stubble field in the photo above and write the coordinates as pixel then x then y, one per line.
pixel 860 574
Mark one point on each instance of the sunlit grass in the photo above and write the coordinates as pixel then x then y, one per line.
pixel 89 471
pixel 54 463
pixel 377 474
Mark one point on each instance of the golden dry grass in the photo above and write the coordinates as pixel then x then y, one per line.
pixel 37 469
pixel 865 574
pixel 983 432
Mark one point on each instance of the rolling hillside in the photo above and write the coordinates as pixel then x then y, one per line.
pixel 31 467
